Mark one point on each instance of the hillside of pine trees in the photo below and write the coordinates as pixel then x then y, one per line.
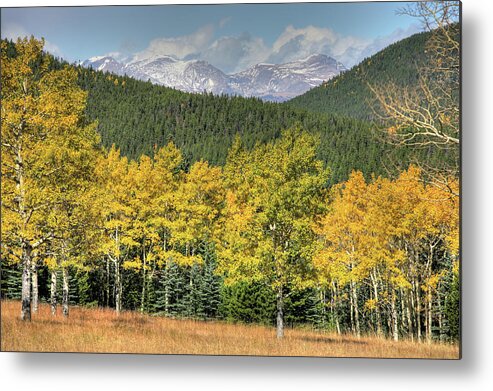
pixel 349 94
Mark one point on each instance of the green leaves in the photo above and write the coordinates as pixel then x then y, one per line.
pixel 274 193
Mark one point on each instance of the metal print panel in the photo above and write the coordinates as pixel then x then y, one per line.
pixel 237 179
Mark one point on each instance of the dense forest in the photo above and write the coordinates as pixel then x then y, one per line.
pixel 121 193
pixel 139 117
pixel 349 94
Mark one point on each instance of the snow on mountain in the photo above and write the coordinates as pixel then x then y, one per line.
pixel 274 82
pixel 104 63
pixel 285 81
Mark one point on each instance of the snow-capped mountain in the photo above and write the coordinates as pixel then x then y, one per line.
pixel 277 82
pixel 285 81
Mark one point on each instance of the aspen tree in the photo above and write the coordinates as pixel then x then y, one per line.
pixel 42 123
pixel 274 192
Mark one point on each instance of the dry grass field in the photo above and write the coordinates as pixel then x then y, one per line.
pixel 101 330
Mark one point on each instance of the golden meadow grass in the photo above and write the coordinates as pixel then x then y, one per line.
pixel 102 330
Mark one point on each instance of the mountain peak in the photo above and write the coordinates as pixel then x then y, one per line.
pixel 274 82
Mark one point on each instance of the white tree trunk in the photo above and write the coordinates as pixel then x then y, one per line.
pixel 280 314
pixel 377 305
pixel 34 282
pixel 395 325
pixel 118 288
pixel 26 283
pixel 65 292
pixel 53 293
pixel 354 294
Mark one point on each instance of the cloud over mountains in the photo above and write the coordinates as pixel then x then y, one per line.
pixel 236 53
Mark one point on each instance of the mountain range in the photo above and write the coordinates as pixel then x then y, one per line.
pixel 271 82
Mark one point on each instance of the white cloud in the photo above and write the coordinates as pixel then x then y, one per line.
pixel 233 54
pixel 13 31
pixel 297 43
pixel 180 47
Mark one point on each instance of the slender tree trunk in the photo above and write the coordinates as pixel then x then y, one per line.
pixel 354 294
pixel 26 282
pixel 404 325
pixel 280 314
pixel 166 289
pixel 324 308
pixel 144 276
pixel 107 298
pixel 429 321
pixel 53 292
pixel 377 306
pixel 65 291
pixel 118 279
pixel 409 314
pixel 440 319
pixel 34 282
pixel 25 246
pixel 351 311
pixel 395 329
pixel 418 311
pixel 118 287
pixel 335 306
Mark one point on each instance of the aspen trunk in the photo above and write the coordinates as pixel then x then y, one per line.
pixel 440 322
pixel 395 329
pixel 280 314
pixel 334 304
pixel 409 314
pixel 354 294
pixel 25 246
pixel 440 315
pixel 404 325
pixel 377 307
pixel 65 291
pixel 429 320
pixel 324 309
pixel 143 294
pixel 418 312
pixel 34 282
pixel 351 311
pixel 118 288
pixel 53 292
pixel 166 289
pixel 107 298
pixel 26 283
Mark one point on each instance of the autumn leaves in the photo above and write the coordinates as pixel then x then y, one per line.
pixel 397 241
pixel 386 246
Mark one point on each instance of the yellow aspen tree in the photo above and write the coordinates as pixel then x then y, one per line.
pixel 42 124
pixel 117 214
pixel 274 192
pixel 199 199
pixel 343 234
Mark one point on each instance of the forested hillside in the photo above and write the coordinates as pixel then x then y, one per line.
pixel 138 117
pixel 348 94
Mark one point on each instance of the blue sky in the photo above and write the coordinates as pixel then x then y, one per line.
pixel 231 37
